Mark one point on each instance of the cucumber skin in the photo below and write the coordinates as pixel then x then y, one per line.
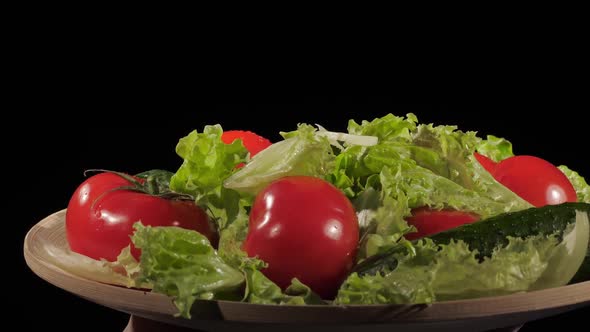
pixel 490 233
pixel 487 234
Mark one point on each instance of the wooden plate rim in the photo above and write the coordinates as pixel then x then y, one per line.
pixel 149 304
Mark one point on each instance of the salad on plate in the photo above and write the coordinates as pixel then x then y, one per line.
pixel 393 211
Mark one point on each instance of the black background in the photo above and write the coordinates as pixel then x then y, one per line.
pixel 105 130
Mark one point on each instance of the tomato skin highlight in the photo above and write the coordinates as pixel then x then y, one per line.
pixel 487 163
pixel 535 180
pixel 304 228
pixel 430 221
pixel 99 219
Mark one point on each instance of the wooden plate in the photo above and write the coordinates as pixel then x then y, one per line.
pixel 466 315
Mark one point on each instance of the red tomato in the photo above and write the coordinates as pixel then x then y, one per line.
pixel 486 162
pixel 429 221
pixel 535 180
pixel 304 228
pixel 254 143
pixel 99 220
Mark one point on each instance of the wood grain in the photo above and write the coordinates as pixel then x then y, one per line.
pixel 472 315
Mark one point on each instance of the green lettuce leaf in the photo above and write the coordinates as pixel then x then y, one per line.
pixel 302 152
pixel 426 272
pixel 207 162
pixel 417 165
pixel 448 272
pixel 445 150
pixel 442 150
pixel 259 289
pixel 448 152
pixel 495 148
pixel 583 193
pixel 406 276
pixel 127 264
pixel 405 185
pixel 123 272
pixel 418 187
pixel 262 290
pixel 386 128
pixel 378 289
pixel 182 264
pixel 350 173
pixel 582 188
pixel 230 242
pixel 386 228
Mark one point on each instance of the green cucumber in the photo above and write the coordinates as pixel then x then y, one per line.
pixel 487 235
pixel 490 233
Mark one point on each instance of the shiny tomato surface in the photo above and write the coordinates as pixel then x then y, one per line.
pixel 304 228
pixel 100 217
pixel 430 221
pixel 535 180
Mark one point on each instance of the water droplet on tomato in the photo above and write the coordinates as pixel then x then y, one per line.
pixel 333 229
pixel 274 231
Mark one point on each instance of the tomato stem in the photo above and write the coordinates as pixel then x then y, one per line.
pixel 154 185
